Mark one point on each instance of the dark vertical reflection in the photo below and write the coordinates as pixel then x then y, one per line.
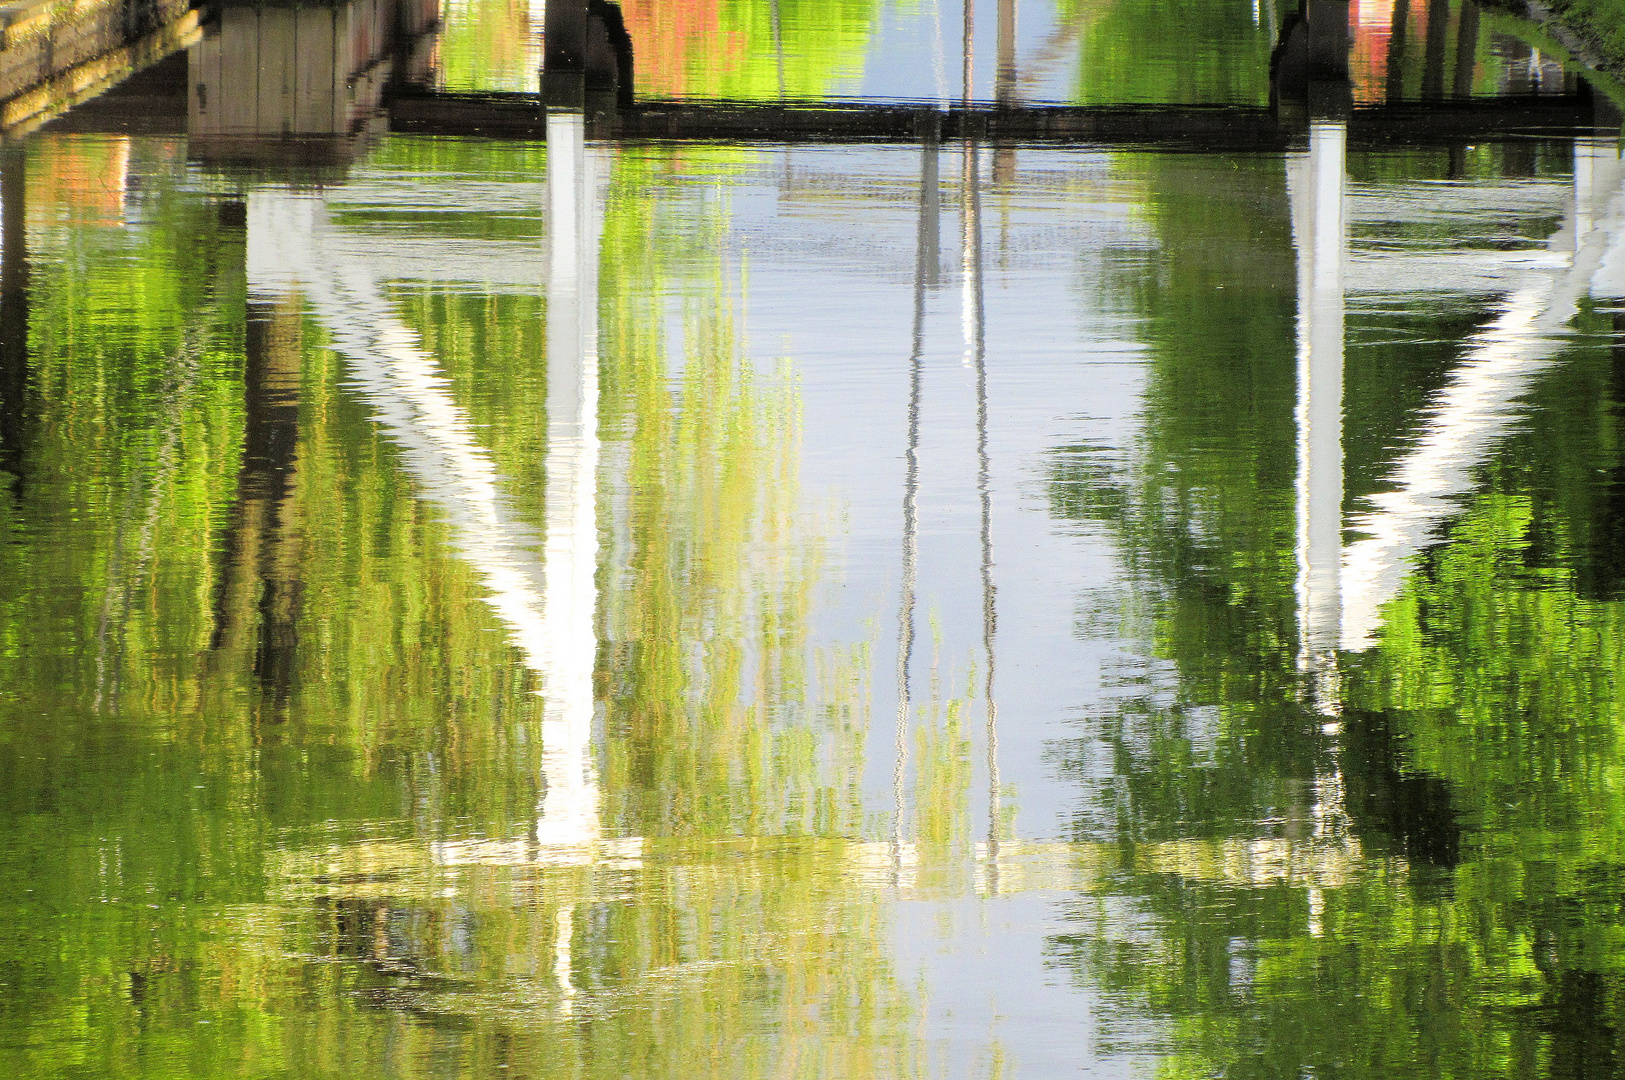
pixel 259 596
pixel 1466 48
pixel 1408 812
pixel 778 44
pixel 13 307
pixel 1004 78
pixel 1466 67
pixel 925 273
pixel 1600 575
pixel 1004 87
pixel 1396 49
pixel 1583 1024
pixel 1433 49
pixel 564 60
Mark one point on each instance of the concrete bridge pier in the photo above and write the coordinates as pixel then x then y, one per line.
pixel 588 53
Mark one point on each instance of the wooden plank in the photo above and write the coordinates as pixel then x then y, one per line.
pixel 238 112
pixel 203 100
pixel 313 64
pixel 275 49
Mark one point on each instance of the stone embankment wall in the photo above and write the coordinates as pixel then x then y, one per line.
pixel 55 53
pixel 1591 32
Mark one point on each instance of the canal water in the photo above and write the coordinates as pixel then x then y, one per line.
pixel 495 608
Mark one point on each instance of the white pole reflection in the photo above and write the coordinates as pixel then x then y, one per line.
pixel 568 815
pixel 1320 233
pixel 926 255
pixel 1319 227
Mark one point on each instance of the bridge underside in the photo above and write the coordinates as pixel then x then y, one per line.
pixel 155 101
pixel 1192 128
pixel 211 92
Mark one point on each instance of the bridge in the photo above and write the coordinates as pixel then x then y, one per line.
pixel 330 77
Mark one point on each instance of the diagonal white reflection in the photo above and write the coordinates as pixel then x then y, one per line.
pixel 1478 404
pixel 542 588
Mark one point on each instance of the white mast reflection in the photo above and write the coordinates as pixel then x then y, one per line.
pixel 1315 183
pixel 975 326
pixel 293 247
pixel 926 255
pixel 568 815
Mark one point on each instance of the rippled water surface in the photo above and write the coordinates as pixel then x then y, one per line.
pixel 581 608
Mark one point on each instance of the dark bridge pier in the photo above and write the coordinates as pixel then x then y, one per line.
pixel 1310 67
pixel 588 51
pixel 564 58
pixel 1328 40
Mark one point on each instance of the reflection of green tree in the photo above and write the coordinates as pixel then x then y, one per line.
pixel 712 730
pixel 197 883
pixel 1204 508
pixel 749 49
pixel 1388 944
pixel 1170 52
pixel 489 45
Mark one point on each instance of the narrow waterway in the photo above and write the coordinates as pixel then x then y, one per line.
pixel 597 607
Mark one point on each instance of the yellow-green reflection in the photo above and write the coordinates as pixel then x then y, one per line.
pixel 311 761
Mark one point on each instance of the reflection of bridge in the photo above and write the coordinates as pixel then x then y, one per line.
pixel 1342 588
pixel 339 77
